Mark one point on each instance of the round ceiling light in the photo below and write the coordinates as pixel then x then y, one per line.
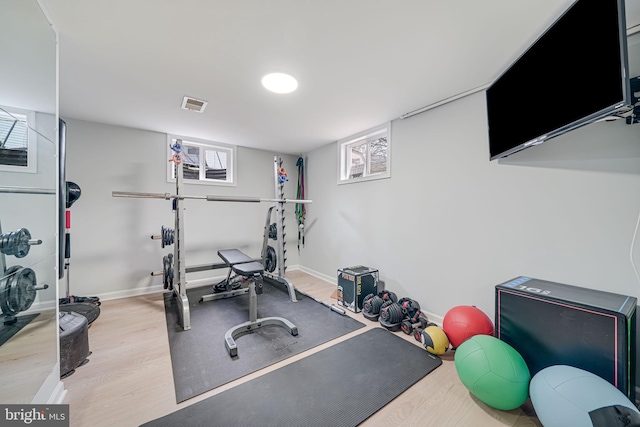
pixel 279 83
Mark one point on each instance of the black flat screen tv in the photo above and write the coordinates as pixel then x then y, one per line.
pixel 574 74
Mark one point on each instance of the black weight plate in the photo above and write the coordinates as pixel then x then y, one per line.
pixel 16 243
pixel 273 231
pixel 5 286
pixel 270 261
pixel 22 243
pixel 167 236
pixel 165 271
pixel 22 293
pixel 169 272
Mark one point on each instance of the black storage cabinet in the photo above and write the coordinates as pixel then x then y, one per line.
pixel 552 323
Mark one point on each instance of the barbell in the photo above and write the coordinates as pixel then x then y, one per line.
pixel 208 198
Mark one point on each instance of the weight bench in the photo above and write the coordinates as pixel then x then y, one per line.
pixel 252 270
pixel 231 257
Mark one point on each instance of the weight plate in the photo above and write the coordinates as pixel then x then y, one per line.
pixel 167 271
pixel 167 236
pixel 22 292
pixel 270 260
pixel 16 243
pixel 5 286
pixel 273 231
pixel 22 243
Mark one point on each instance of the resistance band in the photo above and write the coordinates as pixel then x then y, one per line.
pixel 300 209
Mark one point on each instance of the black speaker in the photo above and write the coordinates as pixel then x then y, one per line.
pixel 551 323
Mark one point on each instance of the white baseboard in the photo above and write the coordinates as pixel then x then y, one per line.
pixel 332 280
pixel 196 283
pixel 435 318
pixel 59 394
pixel 52 389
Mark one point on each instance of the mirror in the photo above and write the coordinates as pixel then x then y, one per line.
pixel 28 221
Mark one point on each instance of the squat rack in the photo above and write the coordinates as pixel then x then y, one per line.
pixel 280 234
pixel 179 272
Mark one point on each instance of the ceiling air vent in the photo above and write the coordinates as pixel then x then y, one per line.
pixel 193 104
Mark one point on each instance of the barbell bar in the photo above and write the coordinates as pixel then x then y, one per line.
pixel 27 190
pixel 209 198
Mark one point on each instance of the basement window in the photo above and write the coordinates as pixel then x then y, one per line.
pixel 203 162
pixel 17 141
pixel 365 156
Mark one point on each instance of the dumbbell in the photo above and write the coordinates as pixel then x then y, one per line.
pixel 391 315
pixel 417 332
pixel 410 325
pixel 413 316
pixel 372 303
pixel 409 306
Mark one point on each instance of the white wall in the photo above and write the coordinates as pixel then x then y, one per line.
pixel 444 229
pixel 449 224
pixel 112 254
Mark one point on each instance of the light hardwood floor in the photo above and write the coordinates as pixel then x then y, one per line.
pixel 28 358
pixel 129 379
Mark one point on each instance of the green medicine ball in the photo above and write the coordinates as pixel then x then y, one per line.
pixel 493 371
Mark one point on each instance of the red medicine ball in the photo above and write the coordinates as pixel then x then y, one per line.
pixel 464 321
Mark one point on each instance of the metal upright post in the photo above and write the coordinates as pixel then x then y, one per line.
pixel 281 251
pixel 282 266
pixel 179 272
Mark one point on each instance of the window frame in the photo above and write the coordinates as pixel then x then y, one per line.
pixel 32 140
pixel 203 144
pixel 344 155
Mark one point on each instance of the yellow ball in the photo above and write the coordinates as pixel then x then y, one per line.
pixel 435 340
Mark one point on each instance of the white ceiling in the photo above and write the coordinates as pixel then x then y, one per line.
pixel 359 63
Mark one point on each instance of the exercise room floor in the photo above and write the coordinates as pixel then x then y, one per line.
pixel 129 380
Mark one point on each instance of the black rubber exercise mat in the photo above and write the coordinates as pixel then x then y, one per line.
pixel 340 386
pixel 8 331
pixel 199 357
